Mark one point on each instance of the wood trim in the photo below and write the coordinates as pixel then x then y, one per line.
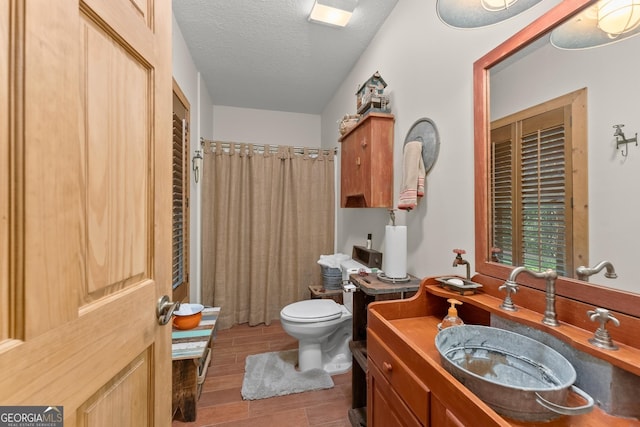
pixel 12 299
pixel 617 300
pixel 182 292
pixel 180 94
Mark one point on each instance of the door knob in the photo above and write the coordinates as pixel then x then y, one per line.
pixel 165 309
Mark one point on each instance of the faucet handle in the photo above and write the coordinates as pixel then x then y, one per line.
pixel 603 316
pixel 511 288
pixel 602 338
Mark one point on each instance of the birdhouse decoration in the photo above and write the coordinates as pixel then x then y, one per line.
pixel 370 96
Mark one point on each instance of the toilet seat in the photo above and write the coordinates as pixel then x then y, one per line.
pixel 312 311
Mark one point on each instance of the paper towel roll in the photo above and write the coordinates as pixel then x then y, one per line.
pixel 395 251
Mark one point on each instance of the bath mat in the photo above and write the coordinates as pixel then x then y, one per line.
pixel 274 374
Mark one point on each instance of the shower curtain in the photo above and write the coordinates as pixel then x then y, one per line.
pixel 266 219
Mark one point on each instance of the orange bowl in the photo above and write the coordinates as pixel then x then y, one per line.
pixel 188 316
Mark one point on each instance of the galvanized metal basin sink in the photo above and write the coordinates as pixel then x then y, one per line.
pixel 517 376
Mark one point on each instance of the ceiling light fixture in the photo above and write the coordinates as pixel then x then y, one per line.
pixel 605 22
pixel 617 17
pixel 496 5
pixel 480 13
pixel 332 12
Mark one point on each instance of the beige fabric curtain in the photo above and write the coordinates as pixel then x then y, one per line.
pixel 266 219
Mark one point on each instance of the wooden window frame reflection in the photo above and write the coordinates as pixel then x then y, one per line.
pixel 573 110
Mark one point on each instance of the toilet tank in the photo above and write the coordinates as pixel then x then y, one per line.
pixel 351 266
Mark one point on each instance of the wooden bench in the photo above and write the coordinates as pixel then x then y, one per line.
pixel 191 356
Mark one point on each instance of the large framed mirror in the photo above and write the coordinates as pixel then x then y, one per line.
pixel 612 178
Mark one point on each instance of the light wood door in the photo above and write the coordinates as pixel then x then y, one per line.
pixel 85 208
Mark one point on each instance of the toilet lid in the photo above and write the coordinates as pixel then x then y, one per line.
pixel 314 310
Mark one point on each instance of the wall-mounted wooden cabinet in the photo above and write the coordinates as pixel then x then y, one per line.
pixel 366 168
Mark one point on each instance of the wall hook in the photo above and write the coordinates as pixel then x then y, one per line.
pixel 392 214
pixel 196 165
pixel 621 139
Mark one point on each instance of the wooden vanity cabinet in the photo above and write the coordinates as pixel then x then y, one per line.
pixel 366 164
pixel 407 379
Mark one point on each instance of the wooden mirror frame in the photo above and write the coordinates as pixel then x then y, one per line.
pixel 599 296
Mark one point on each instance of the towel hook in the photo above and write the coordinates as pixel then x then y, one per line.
pixel 621 139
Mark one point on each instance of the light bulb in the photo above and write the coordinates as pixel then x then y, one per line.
pixel 617 17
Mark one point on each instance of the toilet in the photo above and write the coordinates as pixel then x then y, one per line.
pixel 323 329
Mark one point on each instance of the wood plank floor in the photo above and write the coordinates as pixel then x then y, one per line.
pixel 221 403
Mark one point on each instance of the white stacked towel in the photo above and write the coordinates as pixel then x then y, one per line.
pixel 332 261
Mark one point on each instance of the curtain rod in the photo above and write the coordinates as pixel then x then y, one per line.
pixel 272 148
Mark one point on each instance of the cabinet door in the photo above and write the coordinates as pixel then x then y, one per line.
pixel 353 178
pixel 402 379
pixel 384 407
pixel 441 416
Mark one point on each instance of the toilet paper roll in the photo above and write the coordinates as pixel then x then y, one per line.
pixel 395 251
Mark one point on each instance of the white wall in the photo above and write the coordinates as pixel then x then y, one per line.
pixel 610 74
pixel 248 125
pixel 428 67
pixel 201 114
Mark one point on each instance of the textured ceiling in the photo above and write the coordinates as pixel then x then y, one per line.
pixel 265 54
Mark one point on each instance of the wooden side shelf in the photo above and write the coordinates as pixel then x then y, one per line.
pixel 369 290
pixel 319 291
pixel 359 352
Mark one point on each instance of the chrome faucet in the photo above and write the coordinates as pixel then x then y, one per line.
pixel 585 272
pixel 459 261
pixel 550 316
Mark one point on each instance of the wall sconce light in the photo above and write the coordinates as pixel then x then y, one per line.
pixel 196 165
pixel 622 140
pixel 336 13
pixel 496 5
pixel 617 17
